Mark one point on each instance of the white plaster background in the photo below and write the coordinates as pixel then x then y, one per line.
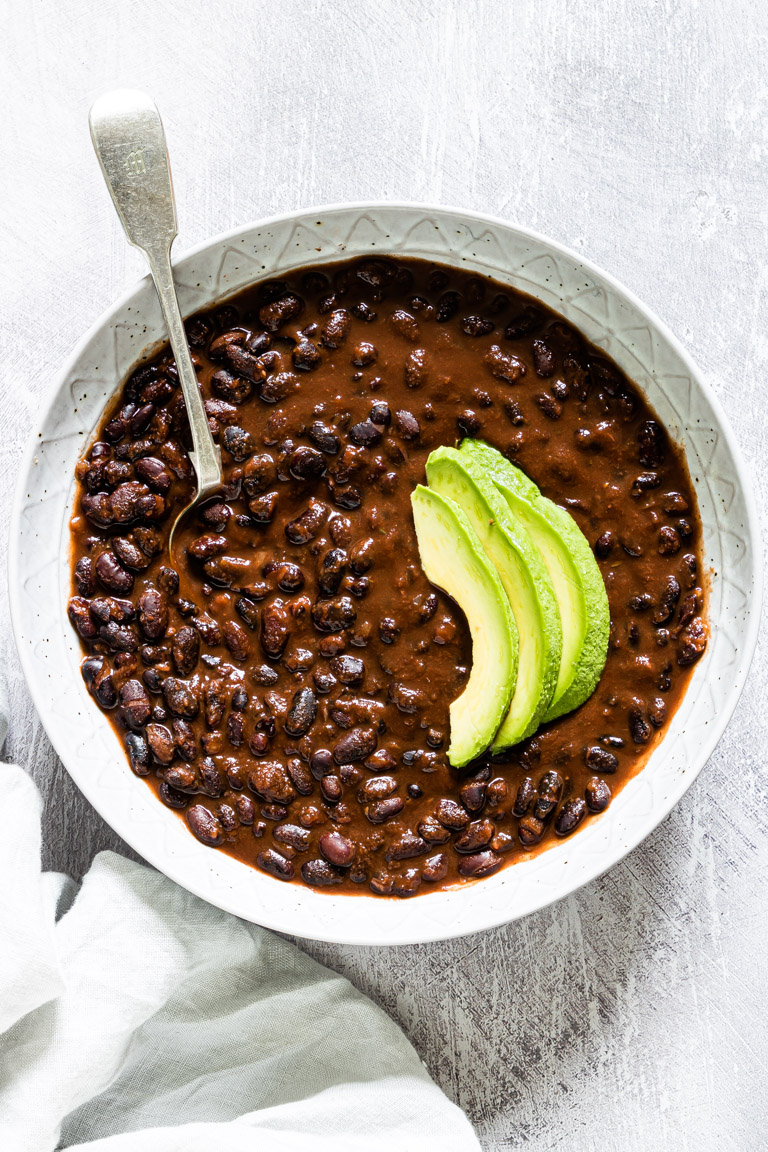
pixel 632 1015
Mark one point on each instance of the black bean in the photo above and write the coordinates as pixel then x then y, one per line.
pixel 306 355
pixel 113 575
pixel 348 669
pixel 657 712
pixel 407 882
pixel 530 830
pixel 299 776
pixel 433 832
pixel 237 442
pixel 476 326
pixel 244 362
pixel 259 474
pixel 476 835
pixel 451 815
pixel 168 581
pixel 153 613
pixel 211 780
pixel 407 700
pixel 325 438
pixel 275 864
pixel 233 389
pixel 306 463
pixel 364 354
pixel 85 576
pixel 331 788
pixel 319 873
pixel 302 713
pixel 307 525
pixel 289 576
pixel 497 791
pixel 639 728
pixel 377 788
pixel 435 868
pixel 334 615
pixel 388 630
pixel 524 323
pixel 543 359
pixel 336 328
pixel 129 554
pixel 180 699
pixel 355 745
pixel 406 847
pixel 247 611
pixel 365 434
pixel 550 789
pixel 98 678
pixel 570 816
pixel 381 810
pixel 612 741
pixel 669 541
pixel 349 496
pixel 468 423
pixel 171 797
pixel 472 795
pixel 380 413
pixel 415 371
pixel 551 408
pixel 667 601
pixel 293 835
pixel 80 618
pixel 275 628
pixel 135 708
pixel 600 759
pixel 597 794
pixel 337 849
pixel 269 779
pixel 161 743
pixel 186 742
pixel 281 311
pixel 246 810
pixel 503 365
pixel 186 650
pixel 514 413
pixel 651 444
pixel 235 729
pixel 138 752
pixel 645 482
pixel 692 642
pixel 480 864
pixel 405 324
pixel 154 473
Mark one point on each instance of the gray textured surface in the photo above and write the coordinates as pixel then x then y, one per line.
pixel 632 1014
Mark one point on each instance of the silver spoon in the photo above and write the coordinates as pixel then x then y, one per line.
pixel 128 136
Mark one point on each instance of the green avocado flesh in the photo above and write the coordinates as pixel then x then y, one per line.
pixel 526 582
pixel 453 559
pixel 573 570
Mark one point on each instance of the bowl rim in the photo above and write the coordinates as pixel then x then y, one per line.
pixel 751 526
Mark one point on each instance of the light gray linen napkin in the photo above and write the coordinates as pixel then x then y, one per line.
pixel 143 1018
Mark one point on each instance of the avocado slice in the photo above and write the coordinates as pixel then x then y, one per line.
pixel 526 582
pixel 453 559
pixel 574 572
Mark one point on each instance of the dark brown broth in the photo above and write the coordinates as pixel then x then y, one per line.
pixel 577 430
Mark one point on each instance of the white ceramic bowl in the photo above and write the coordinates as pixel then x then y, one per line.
pixel 608 315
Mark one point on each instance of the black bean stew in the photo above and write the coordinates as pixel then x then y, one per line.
pixel 286 686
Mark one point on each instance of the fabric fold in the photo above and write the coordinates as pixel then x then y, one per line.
pixel 148 1019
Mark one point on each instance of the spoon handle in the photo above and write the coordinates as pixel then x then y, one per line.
pixel 129 140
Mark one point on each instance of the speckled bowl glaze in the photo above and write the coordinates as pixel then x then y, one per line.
pixel 608 315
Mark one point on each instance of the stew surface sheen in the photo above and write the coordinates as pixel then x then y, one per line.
pixel 286 687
